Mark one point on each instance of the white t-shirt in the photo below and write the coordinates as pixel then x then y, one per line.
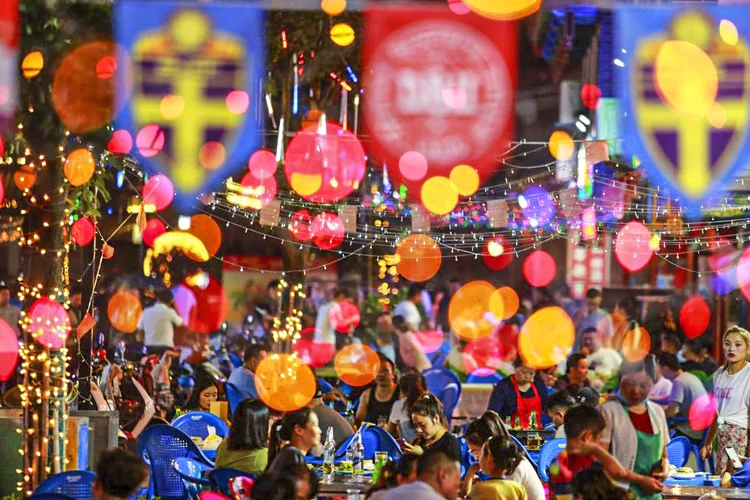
pixel 605 360
pixel 324 332
pixel 732 394
pixel 527 477
pixel 157 323
pixel 402 419
pixel 410 313
pixel 661 391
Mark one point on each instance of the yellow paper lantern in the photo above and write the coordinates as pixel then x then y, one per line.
pixel 79 166
pixel 546 338
pixel 32 64
pixel 468 308
pixel 333 7
pixel 439 195
pixel 342 34
pixel 561 145
pixel 504 10
pixel 284 382
pixel 466 179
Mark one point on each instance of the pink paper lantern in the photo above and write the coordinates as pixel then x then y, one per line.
pixel 262 164
pixel 344 317
pixel 154 228
pixel 539 268
pixel 315 354
pixel 49 323
pixel 633 246
pixel 121 142
pixel 695 315
pixel 8 351
pixel 324 167
pixel 260 192
pixel 158 191
pixel 484 352
pixel 702 412
pixel 430 341
pixel 83 230
pixel 327 231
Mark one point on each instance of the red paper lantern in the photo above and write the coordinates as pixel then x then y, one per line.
pixel 633 246
pixel 299 226
pixel 158 191
pixel 260 192
pixel 539 268
pixel 497 253
pixel 210 308
pixel 154 228
pixel 695 316
pixel 8 351
pixel 262 164
pixel 124 311
pixel 121 142
pixel 315 354
pixel 49 323
pixel 485 352
pixel 83 231
pixel 327 231
pixel 590 95
pixel 344 317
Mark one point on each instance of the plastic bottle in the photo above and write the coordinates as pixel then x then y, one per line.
pixel 358 458
pixel 329 454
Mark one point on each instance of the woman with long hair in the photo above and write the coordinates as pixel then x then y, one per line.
pixel 205 392
pixel 490 426
pixel 732 396
pixel 500 456
pixel 411 386
pixel 429 421
pixel 300 431
pixel 246 447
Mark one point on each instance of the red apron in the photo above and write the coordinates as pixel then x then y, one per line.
pixel 524 406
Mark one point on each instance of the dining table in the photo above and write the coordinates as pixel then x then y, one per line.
pixel 341 486
pixel 695 492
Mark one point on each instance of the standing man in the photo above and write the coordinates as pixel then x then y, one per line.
pixel 408 308
pixel 576 374
pixel 243 377
pixel 157 323
pixel 10 313
pixel 686 387
pixel 593 316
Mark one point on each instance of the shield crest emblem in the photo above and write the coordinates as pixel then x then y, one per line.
pixel 191 89
pixel 689 133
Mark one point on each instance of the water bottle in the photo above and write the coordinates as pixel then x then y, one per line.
pixel 358 459
pixel 329 454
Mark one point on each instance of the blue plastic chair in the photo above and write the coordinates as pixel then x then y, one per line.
pixel 548 454
pixel 375 438
pixel 234 396
pixel 446 386
pixel 160 446
pixel 192 474
pixel 438 357
pixel 235 359
pixel 324 386
pixel 491 378
pixel 195 424
pixel 222 477
pixel 76 484
pixel 678 451
pixel 50 496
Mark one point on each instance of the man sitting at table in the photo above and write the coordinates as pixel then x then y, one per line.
pixel 243 377
pixel 518 395
pixel 438 478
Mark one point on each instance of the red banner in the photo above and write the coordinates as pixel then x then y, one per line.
pixel 9 34
pixel 440 85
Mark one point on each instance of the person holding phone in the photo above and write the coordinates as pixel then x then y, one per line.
pixel 737 474
pixel 732 396
pixel 429 421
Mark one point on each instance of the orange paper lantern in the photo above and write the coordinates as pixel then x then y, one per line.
pixel 207 230
pixel 284 382
pixel 504 303
pixel 636 344
pixel 546 338
pixel 124 311
pixel 24 178
pixel 420 257
pixel 468 309
pixel 357 365
pixel 79 166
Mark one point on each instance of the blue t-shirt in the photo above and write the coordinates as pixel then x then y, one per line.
pixel 244 380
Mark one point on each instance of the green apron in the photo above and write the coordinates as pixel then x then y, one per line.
pixel 650 450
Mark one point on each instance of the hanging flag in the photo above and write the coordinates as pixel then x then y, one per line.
pixel 191 88
pixel 684 88
pixel 440 90
pixel 348 215
pixel 9 38
pixel 270 214
pixel 420 219
pixel 497 213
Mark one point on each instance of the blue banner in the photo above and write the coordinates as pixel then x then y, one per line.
pixel 684 90
pixel 192 90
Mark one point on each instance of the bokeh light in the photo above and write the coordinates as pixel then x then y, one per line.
pixel 483 353
pixel 158 191
pixel 539 268
pixel 561 145
pixel 212 155
pixel 172 106
pixel 24 178
pixel 695 316
pixel 632 246
pixel 546 338
pixel 538 206
pixel 497 253
pixel 327 230
pixel 210 308
pixel 429 341
pixel 686 78
pixel 284 382
pixel 333 7
pixel 743 273
pixel 439 195
pixel 82 231
pixel 728 32
pixel 49 323
pixel 106 67
pixel 32 64
pixel 413 165
pixel 342 34
pixel 324 168
pixel 150 140
pixel 237 102
pixel 356 365
pixel 458 7
pixel 257 193
pixel 469 308
pixel 315 354
pixel 154 228
pixel 590 95
pixel 717 115
pixel 124 311
pixel 420 257
pixel 262 164
pixel 465 178
pixel 299 225
pixel 702 412
pixel 121 142
pixel 504 303
pixel 8 351
pixel 505 10
pixel 192 247
pixel 344 317
pixel 208 231
pixel 79 166
pixel 636 344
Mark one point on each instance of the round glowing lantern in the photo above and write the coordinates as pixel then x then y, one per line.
pixel 79 166
pixel 539 268
pixel 315 354
pixel 695 315
pixel 506 10
pixel 632 246
pixel 356 365
pixel 561 145
pixel 497 253
pixel 150 140
pixel 458 7
pixel 284 382
pixel 466 179
pixel 636 344
pixel 32 64
pixel 158 191
pixel 154 228
pixel 257 193
pixel 342 34
pixel 324 167
pixel 24 178
pixel 484 353
pixel 702 412
pixel 48 323
pixel 419 257
pixel 504 303
pixel 333 7
pixel 8 350
pixel 590 95
pixel 546 338
pixel 207 230
pixel 413 165
pixel 299 225
pixel 728 32
pixel 121 142
pixel 468 310
pixel 124 311
pixel 344 317
pixel 211 306
pixel 262 164
pixel 439 195
pixel 237 101
pixel 327 231
pixel 82 231
pixel 106 67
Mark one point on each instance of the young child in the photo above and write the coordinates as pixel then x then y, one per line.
pixel 556 407
pixel 119 475
pixel 583 428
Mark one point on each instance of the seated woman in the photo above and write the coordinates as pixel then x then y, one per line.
pixel 478 432
pixel 499 457
pixel 412 386
pixel 429 421
pixel 246 447
pixel 301 431
pixel 204 393
pixel 519 395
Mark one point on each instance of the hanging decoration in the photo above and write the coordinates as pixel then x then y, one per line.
pixel 208 231
pixel 82 231
pixel 48 323
pixel 79 166
pixel 539 268
pixel 8 351
pixel 695 316
pixel 633 246
pixel 468 308
pixel 546 338
pixel 356 365
pixel 284 382
pixel 419 257
pixel 124 310
pixel 327 231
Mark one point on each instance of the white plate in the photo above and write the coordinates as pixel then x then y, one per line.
pixel 683 475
